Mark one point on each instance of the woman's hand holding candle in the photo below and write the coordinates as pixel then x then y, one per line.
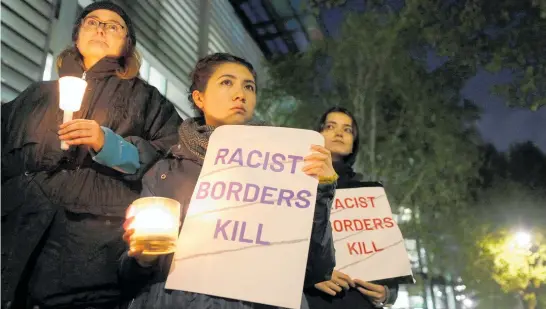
pixel 151 228
pixel 142 259
pixel 71 92
pixel 82 132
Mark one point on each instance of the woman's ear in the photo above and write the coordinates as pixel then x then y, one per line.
pixel 198 99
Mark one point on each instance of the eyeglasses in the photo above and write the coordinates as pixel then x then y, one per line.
pixel 92 24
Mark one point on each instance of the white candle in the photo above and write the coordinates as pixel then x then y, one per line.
pixel 71 91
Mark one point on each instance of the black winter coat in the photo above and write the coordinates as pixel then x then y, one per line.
pixel 351 298
pixel 61 211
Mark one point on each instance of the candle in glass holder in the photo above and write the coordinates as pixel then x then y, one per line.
pixel 71 91
pixel 155 222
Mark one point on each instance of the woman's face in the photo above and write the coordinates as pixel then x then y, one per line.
pixel 102 33
pixel 229 97
pixel 338 135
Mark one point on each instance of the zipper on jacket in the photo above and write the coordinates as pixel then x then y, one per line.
pixel 83 75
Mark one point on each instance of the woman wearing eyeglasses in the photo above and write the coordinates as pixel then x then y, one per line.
pixel 62 211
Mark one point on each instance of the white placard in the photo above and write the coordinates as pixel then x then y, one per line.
pixel 246 234
pixel 369 244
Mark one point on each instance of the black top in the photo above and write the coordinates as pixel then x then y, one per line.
pixel 351 298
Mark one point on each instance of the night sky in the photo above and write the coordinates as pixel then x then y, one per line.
pixel 499 124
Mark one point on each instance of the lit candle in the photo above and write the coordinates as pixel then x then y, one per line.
pixel 155 222
pixel 71 91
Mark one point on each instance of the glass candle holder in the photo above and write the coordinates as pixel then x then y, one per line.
pixel 156 222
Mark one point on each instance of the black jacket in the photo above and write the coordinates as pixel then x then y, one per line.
pixel 61 211
pixel 351 298
pixel 175 177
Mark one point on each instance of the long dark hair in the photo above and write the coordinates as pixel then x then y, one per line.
pixel 351 158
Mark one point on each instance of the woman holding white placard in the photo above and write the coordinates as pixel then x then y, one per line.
pixel 223 91
pixel 62 210
pixel 340 131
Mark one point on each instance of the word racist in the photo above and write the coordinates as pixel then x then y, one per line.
pixel 354 202
pixel 276 162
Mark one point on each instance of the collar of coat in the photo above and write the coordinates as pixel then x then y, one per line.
pixel 72 66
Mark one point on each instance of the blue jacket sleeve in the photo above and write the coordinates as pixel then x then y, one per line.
pixel 117 153
pixel 160 133
pixel 135 155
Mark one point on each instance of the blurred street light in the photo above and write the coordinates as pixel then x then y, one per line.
pixel 522 240
pixel 518 263
pixel 460 297
pixel 460 288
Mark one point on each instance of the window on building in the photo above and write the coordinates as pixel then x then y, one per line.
pixel 429 298
pixel 403 300
pixel 145 70
pixel 424 267
pixel 440 297
pixel 450 297
pixel 48 67
pixel 405 214
pixel 418 301
pixel 179 98
pixel 157 80
pixel 413 255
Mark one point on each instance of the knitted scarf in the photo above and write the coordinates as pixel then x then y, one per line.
pixel 194 135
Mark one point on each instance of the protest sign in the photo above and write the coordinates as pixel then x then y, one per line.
pixel 247 231
pixel 369 244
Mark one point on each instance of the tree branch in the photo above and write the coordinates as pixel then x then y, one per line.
pixel 416 184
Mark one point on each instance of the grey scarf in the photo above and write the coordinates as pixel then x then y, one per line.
pixel 194 135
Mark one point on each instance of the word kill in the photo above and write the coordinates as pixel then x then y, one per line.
pixel 362 248
pixel 238 229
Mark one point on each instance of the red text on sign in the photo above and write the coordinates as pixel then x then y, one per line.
pixel 362 248
pixel 355 202
pixel 367 224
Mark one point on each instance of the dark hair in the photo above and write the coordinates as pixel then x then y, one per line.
pixel 204 69
pixel 351 158
pixel 130 59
